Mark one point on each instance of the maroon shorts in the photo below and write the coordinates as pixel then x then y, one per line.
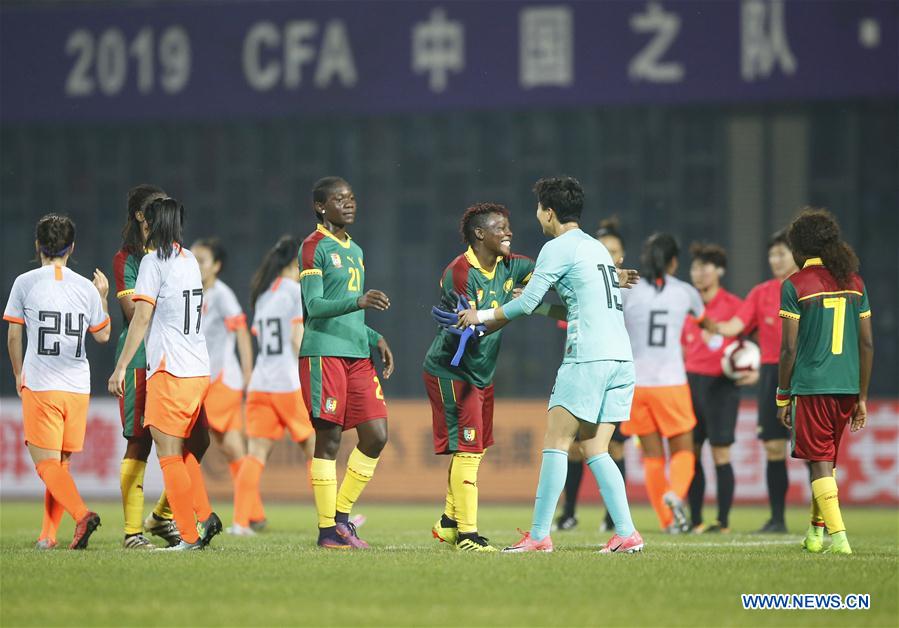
pixel 462 415
pixel 345 391
pixel 818 425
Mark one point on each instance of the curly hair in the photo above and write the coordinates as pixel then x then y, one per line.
pixel 55 235
pixel 709 253
pixel 815 233
pixel 476 217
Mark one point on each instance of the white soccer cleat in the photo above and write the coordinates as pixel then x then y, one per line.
pixel 239 530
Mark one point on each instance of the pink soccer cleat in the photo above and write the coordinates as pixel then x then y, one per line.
pixel 528 544
pixel 633 543
pixel 347 532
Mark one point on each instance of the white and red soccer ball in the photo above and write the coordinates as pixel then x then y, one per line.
pixel 740 357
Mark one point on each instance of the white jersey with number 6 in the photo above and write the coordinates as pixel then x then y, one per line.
pixel 222 316
pixel 58 307
pixel 175 342
pixel 277 310
pixel 654 320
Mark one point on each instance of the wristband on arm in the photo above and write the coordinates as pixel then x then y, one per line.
pixel 783 397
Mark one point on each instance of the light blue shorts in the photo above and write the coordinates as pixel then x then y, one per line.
pixel 596 392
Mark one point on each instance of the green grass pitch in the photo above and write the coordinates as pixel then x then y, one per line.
pixel 408 579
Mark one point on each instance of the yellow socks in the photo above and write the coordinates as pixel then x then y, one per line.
pixel 324 488
pixel 162 509
pixel 131 480
pixel 824 491
pixel 450 509
pixel 359 470
pixel 464 486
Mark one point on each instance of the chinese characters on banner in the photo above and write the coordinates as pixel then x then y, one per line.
pixel 248 59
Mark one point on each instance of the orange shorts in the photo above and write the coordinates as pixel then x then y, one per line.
pixel 173 403
pixel 667 410
pixel 223 407
pixel 269 413
pixel 55 419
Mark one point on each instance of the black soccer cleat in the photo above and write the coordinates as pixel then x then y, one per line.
pixel 772 527
pixel 209 528
pixel 565 522
pixel 83 530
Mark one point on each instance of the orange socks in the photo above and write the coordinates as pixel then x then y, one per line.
pixel 656 486
pixel 62 487
pixel 52 513
pixel 178 490
pixel 683 466
pixel 198 487
pixel 234 469
pixel 246 495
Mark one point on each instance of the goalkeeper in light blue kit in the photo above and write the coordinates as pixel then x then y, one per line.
pixel 595 384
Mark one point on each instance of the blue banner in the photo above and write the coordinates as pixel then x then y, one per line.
pixel 246 59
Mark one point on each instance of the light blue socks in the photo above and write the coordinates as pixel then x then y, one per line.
pixel 553 470
pixel 611 485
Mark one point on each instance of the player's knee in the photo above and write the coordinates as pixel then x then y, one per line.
pixel 776 450
pixel 198 442
pixel 373 443
pixel 327 439
pixel 721 455
pixel 138 449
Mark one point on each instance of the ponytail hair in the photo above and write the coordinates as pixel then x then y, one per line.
pixel 816 233
pixel 55 235
pixel 284 253
pixel 132 237
pixel 658 251
pixel 165 218
pixel 610 228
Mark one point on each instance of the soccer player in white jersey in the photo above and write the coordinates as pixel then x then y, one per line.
pixel 57 307
pixel 274 399
pixel 168 299
pixel 225 328
pixel 655 312
pixel 595 382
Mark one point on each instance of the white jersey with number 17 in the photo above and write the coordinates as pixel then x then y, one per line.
pixel 654 320
pixel 175 342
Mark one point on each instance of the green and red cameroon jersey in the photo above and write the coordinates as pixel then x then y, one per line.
pixel 483 290
pixel 332 276
pixel 125 266
pixel 828 315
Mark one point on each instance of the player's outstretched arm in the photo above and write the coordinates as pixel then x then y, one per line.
pixel 627 277
pixel 865 364
pixel 16 353
pixel 317 306
pixel 785 369
pixel 245 353
pixel 101 283
pixel 140 322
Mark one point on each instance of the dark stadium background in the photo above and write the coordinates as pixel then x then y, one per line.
pixel 731 172
pixel 685 170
